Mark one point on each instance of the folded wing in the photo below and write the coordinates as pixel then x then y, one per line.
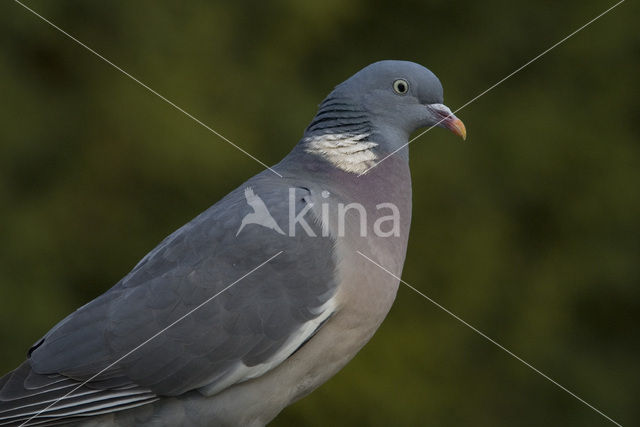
pixel 244 332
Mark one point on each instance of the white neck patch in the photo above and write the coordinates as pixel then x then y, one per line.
pixel 346 151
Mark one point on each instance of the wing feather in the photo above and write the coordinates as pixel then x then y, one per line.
pixel 243 333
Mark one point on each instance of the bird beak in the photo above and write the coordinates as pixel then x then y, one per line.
pixel 446 119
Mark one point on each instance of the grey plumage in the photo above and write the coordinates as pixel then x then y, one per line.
pixel 281 331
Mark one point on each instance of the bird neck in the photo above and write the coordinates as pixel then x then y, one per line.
pixel 344 135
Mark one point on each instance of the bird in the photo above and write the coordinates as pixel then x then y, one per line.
pixel 215 327
pixel 260 214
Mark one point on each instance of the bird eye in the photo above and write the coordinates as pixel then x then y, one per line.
pixel 401 86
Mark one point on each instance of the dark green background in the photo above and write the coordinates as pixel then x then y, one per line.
pixel 530 231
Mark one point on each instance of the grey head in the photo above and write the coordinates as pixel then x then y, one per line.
pixel 387 101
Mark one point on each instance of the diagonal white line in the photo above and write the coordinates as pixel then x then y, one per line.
pixel 490 88
pixel 195 119
pixel 181 318
pixel 501 347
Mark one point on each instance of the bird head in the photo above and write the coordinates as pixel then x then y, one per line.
pixel 398 97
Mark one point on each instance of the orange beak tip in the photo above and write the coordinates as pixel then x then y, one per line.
pixel 458 128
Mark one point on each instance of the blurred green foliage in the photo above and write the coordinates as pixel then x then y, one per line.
pixel 530 230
